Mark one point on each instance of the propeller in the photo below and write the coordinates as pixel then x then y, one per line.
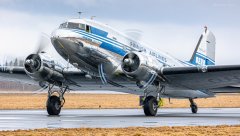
pixel 43 43
pixel 130 62
pixel 39 91
pixel 134 33
pixel 33 62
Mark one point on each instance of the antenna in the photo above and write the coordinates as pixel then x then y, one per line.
pixel 80 14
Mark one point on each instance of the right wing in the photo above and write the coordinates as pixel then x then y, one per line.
pixel 204 77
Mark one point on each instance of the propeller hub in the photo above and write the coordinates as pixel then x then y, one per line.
pixel 32 63
pixel 29 62
pixel 128 61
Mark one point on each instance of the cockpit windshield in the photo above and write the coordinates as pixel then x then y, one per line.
pixel 72 25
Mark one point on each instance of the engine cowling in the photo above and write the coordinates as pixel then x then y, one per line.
pixel 140 66
pixel 42 67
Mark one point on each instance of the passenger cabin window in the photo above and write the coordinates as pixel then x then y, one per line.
pixel 82 26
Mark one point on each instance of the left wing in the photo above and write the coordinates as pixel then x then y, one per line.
pixel 202 77
pixel 11 69
pixel 76 78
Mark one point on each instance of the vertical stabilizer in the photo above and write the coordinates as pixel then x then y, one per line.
pixel 204 53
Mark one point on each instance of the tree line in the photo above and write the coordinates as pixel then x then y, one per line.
pixel 13 62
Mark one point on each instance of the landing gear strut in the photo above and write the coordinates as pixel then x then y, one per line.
pixel 150 106
pixel 194 107
pixel 55 103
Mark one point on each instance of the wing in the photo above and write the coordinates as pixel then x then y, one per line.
pixel 16 75
pixel 78 80
pixel 11 69
pixel 205 77
pixel 13 73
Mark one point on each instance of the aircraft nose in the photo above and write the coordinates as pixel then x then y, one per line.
pixel 55 33
pixel 61 33
pixel 65 44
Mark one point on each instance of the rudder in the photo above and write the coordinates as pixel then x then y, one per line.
pixel 204 53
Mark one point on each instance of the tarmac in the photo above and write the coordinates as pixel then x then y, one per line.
pixel 113 118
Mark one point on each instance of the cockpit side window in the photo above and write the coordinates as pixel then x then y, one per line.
pixel 63 25
pixel 72 25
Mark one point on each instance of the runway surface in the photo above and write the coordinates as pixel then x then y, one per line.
pixel 108 118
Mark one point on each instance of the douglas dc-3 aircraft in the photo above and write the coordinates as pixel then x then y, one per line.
pixel 118 60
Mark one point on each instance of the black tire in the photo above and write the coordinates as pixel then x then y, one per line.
pixel 53 105
pixel 194 108
pixel 150 106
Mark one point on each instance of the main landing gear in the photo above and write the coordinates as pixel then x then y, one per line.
pixel 193 106
pixel 55 103
pixel 150 106
pixel 151 101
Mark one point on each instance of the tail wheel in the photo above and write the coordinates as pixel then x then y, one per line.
pixel 53 105
pixel 194 108
pixel 150 106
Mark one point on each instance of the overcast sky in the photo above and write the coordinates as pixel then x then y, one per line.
pixel 173 26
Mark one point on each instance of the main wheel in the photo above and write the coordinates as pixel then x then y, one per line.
pixel 194 108
pixel 53 105
pixel 150 106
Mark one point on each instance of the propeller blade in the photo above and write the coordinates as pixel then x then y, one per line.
pixel 131 55
pixel 135 34
pixel 43 43
pixel 39 91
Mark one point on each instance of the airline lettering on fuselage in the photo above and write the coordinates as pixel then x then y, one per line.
pixel 158 56
pixel 136 46
pixel 142 49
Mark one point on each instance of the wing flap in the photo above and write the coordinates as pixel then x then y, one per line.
pixel 204 77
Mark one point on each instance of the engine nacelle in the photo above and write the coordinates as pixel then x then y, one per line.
pixel 42 67
pixel 140 66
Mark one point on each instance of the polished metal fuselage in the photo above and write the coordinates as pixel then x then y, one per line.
pixel 84 52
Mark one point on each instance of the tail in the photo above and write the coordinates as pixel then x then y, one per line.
pixel 204 53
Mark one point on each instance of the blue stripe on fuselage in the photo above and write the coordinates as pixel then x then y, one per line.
pixel 112 48
pixel 105 44
pixel 98 37
pixel 98 32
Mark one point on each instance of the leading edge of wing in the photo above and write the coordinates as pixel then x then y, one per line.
pixel 12 69
pixel 198 69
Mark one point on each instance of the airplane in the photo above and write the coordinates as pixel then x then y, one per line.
pixel 102 52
